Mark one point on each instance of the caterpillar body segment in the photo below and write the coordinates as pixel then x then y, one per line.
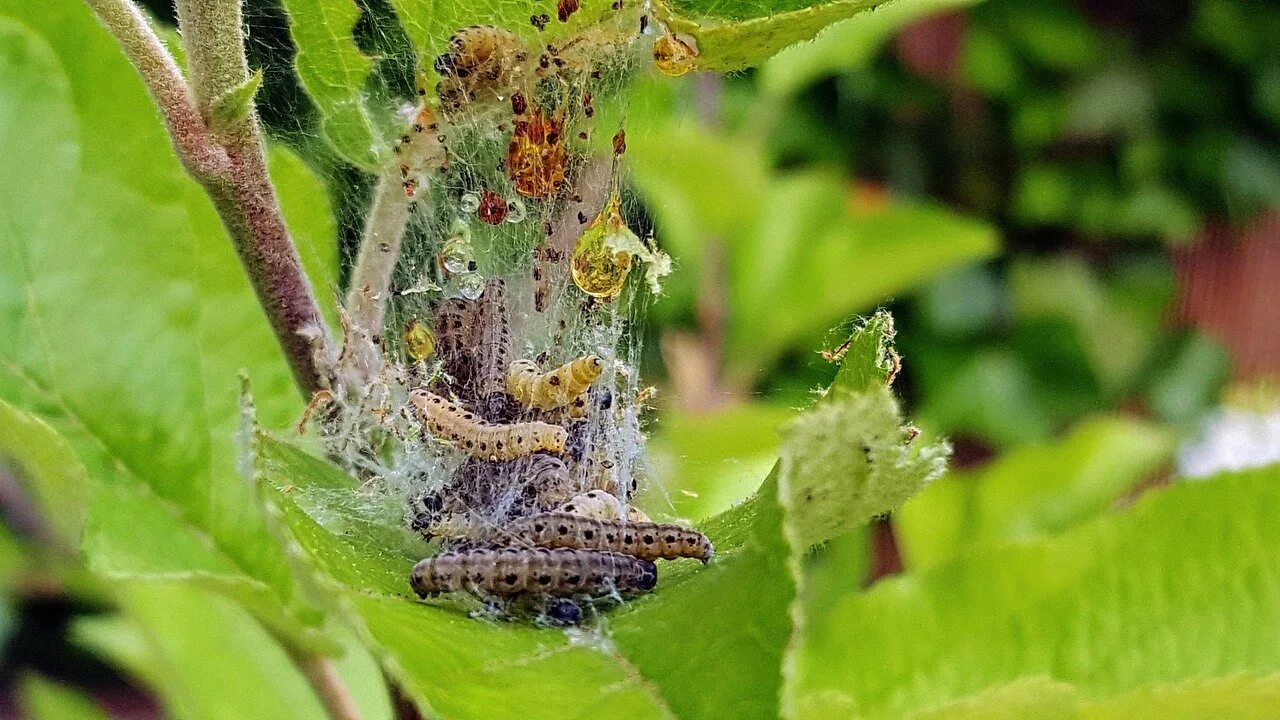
pixel 555 389
pixel 513 571
pixel 480 438
pixel 493 342
pixel 456 339
pixel 594 504
pixel 650 541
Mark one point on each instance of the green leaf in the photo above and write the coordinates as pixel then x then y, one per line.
pixel 48 469
pixel 125 316
pixel 1032 491
pixel 849 458
pixel 233 106
pixel 737 34
pixel 334 72
pixel 845 45
pixel 1181 586
pixel 46 700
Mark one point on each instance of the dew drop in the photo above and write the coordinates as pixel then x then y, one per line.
pixel 516 211
pixel 469 203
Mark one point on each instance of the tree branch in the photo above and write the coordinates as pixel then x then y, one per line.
pixel 229 161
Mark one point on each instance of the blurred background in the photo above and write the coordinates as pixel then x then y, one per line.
pixel 1071 207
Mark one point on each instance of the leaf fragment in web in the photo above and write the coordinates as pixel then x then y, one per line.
pixel 1184 585
pixel 333 72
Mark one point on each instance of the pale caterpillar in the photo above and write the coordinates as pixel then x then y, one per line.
pixel 646 540
pixel 601 505
pixel 533 571
pixel 555 389
pixel 481 439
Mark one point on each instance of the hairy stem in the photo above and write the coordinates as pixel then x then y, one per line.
pixel 230 163
pixel 197 150
pixel 379 250
pixel 328 684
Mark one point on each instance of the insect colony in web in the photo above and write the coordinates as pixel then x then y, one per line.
pixel 511 415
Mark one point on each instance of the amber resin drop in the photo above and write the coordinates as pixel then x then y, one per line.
pixel 598 269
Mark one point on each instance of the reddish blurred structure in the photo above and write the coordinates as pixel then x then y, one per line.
pixel 1229 287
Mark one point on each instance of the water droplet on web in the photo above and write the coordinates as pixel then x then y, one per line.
pixel 469 203
pixel 598 269
pixel 458 255
pixel 470 285
pixel 516 211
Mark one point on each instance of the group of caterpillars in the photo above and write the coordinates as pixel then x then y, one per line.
pixel 530 520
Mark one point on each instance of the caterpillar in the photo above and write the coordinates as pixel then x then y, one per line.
pixel 481 439
pixel 649 541
pixel 533 571
pixel 555 389
pixel 493 345
pixel 482 64
pixel 594 504
pixel 456 334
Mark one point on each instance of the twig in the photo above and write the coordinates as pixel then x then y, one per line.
pixel 418 155
pixel 228 161
pixel 379 251
pixel 324 678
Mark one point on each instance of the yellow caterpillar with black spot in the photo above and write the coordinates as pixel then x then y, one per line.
pixel 556 389
pixel 533 571
pixel 647 540
pixel 480 438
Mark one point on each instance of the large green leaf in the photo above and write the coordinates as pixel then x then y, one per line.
pixel 124 315
pixel 334 71
pixel 1032 491
pixel 1182 586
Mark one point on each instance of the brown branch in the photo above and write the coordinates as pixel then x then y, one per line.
pixel 324 678
pixel 230 162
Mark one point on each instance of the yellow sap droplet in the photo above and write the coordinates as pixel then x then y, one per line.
pixel 598 269
pixel 419 341
pixel 674 55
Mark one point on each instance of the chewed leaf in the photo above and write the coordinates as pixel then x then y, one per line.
pixel 334 71
pixel 850 457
